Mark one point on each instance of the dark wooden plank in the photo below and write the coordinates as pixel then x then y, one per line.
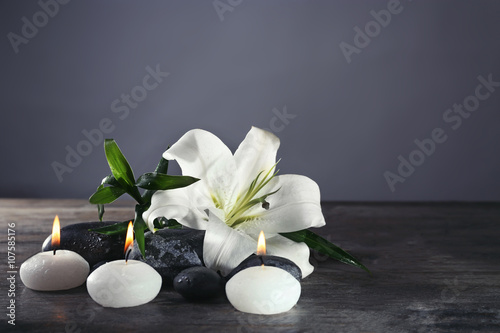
pixel 435 269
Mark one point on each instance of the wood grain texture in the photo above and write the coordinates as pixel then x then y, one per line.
pixel 435 269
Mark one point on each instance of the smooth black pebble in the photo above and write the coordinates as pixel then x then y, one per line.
pixel 280 262
pixel 92 246
pixel 198 283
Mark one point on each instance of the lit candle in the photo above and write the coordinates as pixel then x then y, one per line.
pixel 263 289
pixel 54 270
pixel 124 283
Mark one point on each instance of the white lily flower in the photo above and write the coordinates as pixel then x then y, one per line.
pixel 238 196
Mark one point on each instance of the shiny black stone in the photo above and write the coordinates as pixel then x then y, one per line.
pixel 92 246
pixel 170 251
pixel 280 262
pixel 197 283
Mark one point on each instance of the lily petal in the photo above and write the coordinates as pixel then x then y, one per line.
pixel 225 248
pixel 296 252
pixel 295 206
pixel 256 153
pixel 202 155
pixel 182 204
pixel 196 152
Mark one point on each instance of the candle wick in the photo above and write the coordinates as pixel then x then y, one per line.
pixel 261 260
pixel 127 254
pixel 55 251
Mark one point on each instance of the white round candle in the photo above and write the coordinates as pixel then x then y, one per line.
pixel 60 271
pixel 119 284
pixel 263 290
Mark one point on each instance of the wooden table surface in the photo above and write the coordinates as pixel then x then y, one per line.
pixel 435 269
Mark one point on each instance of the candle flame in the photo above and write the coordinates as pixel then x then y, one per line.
pixel 130 237
pixel 261 244
pixel 56 233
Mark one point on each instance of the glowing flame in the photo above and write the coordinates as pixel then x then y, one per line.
pixel 261 244
pixel 56 233
pixel 130 237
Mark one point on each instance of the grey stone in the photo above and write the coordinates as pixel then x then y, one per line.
pixel 170 251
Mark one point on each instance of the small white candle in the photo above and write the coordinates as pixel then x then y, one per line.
pixel 60 271
pixel 121 283
pixel 124 283
pixel 263 289
pixel 54 270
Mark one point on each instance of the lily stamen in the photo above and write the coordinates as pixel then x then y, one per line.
pixel 235 215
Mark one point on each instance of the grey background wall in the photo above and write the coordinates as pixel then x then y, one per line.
pixel 345 104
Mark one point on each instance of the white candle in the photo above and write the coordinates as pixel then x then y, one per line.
pixel 54 270
pixel 119 284
pixel 60 271
pixel 263 290
pixel 124 283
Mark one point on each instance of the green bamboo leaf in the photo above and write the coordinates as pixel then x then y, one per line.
pixel 118 164
pixel 323 246
pixel 139 227
pixel 106 195
pixel 117 228
pixel 161 181
pixel 173 224
pixel 162 167
pixel 120 168
pixel 110 180
pixel 163 222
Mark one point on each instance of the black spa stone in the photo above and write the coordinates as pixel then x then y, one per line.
pixel 92 246
pixel 171 251
pixel 199 283
pixel 280 262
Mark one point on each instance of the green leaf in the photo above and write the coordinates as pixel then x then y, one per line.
pixel 108 180
pixel 161 181
pixel 323 246
pixel 118 164
pixel 162 167
pixel 139 227
pixel 121 168
pixel 117 228
pixel 173 224
pixel 163 222
pixel 106 195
